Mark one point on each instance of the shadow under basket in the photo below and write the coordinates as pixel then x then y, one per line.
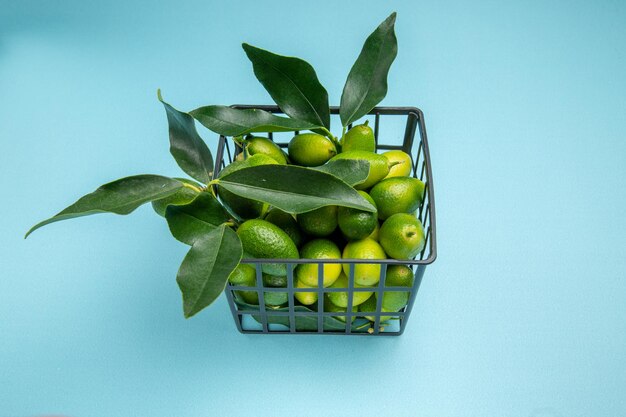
pixel 292 317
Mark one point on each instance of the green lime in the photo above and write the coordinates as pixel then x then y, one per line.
pixel 240 207
pixel 311 149
pixel 397 195
pixel 305 297
pixel 397 276
pixel 379 166
pixel 332 308
pixel 364 274
pixel 402 236
pixel 374 234
pixel 359 138
pixel 286 222
pixel 319 222
pixel 263 240
pixel 340 298
pixel 259 145
pixel 271 298
pixel 357 224
pixel 245 276
pixel 403 166
pixel 181 197
pixel 319 249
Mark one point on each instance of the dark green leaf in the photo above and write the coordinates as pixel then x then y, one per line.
pixel 186 146
pixel 203 274
pixel 366 85
pixel 228 121
pixel 120 197
pixel 190 222
pixel 293 85
pixel 350 171
pixel 292 188
pixel 181 197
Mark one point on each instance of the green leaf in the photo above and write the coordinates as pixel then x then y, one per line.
pixel 366 85
pixel 203 274
pixel 293 84
pixel 121 197
pixel 192 221
pixel 350 171
pixel 228 121
pixel 292 188
pixel 187 147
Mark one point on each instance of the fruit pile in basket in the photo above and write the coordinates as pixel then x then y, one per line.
pixel 329 197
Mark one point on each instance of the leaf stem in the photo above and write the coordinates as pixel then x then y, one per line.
pixel 193 187
pixel 332 137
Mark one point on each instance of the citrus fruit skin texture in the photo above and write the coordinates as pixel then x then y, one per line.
pixel 397 195
pixel 311 149
pixel 307 274
pixel 245 276
pixel 357 224
pixel 340 299
pixel 262 239
pixel 306 297
pixel 271 298
pixel 181 197
pixel 332 308
pixel 364 274
pixel 359 138
pixel 286 222
pixel 397 276
pixel 243 208
pixel 258 145
pixel 379 166
pixel 319 222
pixel 404 164
pixel 374 234
pixel 402 236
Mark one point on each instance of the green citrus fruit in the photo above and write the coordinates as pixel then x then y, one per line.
pixel 359 138
pixel 259 145
pixel 286 222
pixel 332 308
pixel 374 234
pixel 245 276
pixel 364 274
pixel 240 207
pixel 379 166
pixel 305 297
pixel 318 249
pixel 262 239
pixel 397 195
pixel 271 298
pixel 311 149
pixel 404 165
pixel 340 298
pixel 397 276
pixel 319 222
pixel 357 224
pixel 402 236
pixel 181 197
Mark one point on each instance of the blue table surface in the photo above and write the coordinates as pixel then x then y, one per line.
pixel 523 313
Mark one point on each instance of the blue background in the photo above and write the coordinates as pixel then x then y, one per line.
pixel 523 313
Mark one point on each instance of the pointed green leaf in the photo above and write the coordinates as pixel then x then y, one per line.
pixel 366 85
pixel 203 274
pixel 293 84
pixel 350 171
pixel 121 197
pixel 292 188
pixel 190 222
pixel 187 147
pixel 228 121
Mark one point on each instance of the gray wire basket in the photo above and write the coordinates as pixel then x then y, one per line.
pixel 293 318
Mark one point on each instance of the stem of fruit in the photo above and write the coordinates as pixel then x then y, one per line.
pixel 193 187
pixel 330 136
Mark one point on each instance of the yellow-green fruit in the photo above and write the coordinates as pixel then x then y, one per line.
pixel 245 276
pixel 261 239
pixel 259 145
pixel 240 207
pixel 340 298
pixel 181 197
pixel 374 234
pixel 319 249
pixel 359 138
pixel 273 298
pixel 402 236
pixel 379 166
pixel 319 222
pixel 403 160
pixel 306 297
pixel 311 149
pixel 369 306
pixel 397 195
pixel 397 276
pixel 332 308
pixel 364 274
pixel 286 222
pixel 357 224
